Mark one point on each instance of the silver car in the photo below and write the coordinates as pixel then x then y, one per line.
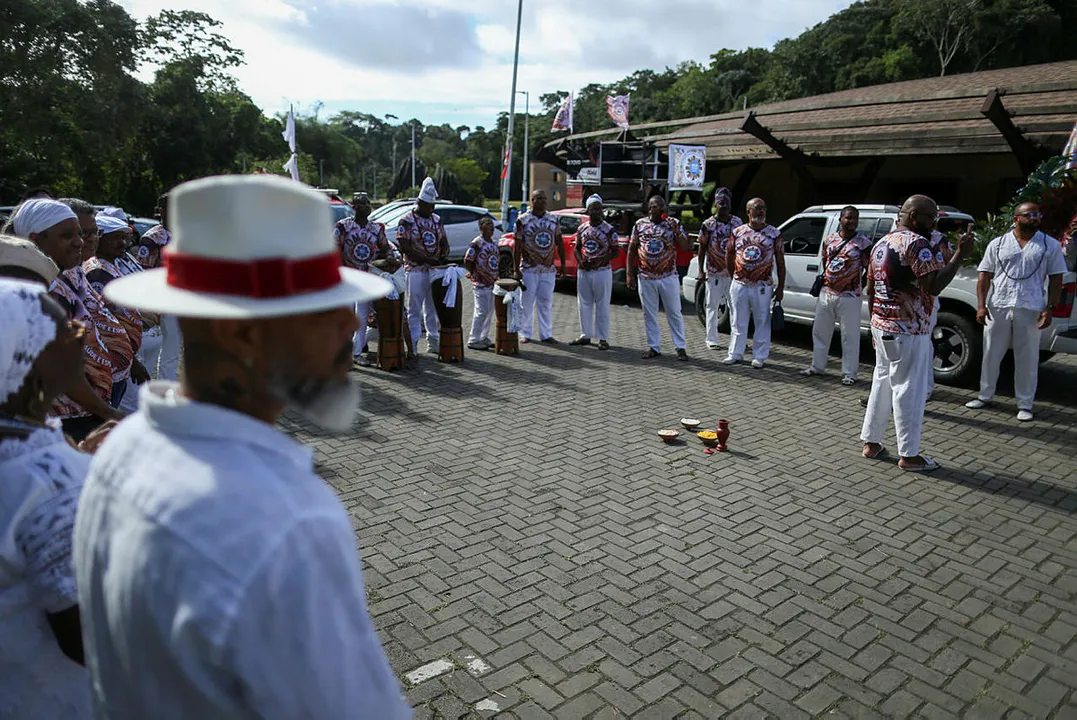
pixel 461 224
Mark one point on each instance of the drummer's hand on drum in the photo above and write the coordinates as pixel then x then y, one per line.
pixel 517 275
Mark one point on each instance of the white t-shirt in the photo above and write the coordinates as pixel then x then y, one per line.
pixel 42 477
pixel 1020 273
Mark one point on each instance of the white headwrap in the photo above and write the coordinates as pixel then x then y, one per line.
pixel 113 212
pixel 38 215
pixel 592 200
pixel 428 193
pixel 27 331
pixel 108 224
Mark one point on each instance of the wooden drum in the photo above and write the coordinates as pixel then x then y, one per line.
pixel 390 339
pixel 451 346
pixel 505 343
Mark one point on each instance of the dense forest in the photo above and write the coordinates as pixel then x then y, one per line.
pixel 74 117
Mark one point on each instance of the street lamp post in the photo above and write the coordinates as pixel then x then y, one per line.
pixel 527 148
pixel 512 117
pixel 413 153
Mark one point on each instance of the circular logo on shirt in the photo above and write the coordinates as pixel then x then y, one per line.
pixel 938 257
pixel 837 265
pixel 925 255
pixel 591 247
pixel 361 252
pixel 143 252
pixel 543 240
pixel 492 262
pixel 655 247
pixel 880 253
pixel 430 240
pixel 753 253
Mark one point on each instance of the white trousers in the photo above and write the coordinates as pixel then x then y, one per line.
pixel 593 289
pixel 484 314
pixel 668 290
pixel 745 300
pixel 362 314
pixel 898 387
pixel 930 388
pixel 421 307
pixel 1014 327
pixel 147 355
pixel 845 311
pixel 168 359
pixel 717 296
pixel 537 301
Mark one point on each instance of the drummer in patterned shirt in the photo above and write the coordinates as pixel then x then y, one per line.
pixel 713 239
pixel 652 255
pixel 845 254
pixel 753 252
pixel 538 236
pixel 361 241
pixel 596 245
pixel 421 237
pixel 482 263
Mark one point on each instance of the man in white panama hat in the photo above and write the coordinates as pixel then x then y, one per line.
pixel 217 573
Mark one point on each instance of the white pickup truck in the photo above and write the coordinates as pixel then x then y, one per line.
pixel 957 338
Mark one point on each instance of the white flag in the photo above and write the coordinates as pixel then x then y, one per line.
pixel 292 166
pixel 289 130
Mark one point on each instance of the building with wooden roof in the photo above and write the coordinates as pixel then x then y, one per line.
pixel 966 140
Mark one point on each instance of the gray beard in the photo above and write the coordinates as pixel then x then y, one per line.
pixel 329 405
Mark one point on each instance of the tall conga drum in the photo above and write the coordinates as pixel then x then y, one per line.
pixel 451 347
pixel 505 342
pixel 390 321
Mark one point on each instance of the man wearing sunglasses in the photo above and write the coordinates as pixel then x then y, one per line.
pixel 1011 304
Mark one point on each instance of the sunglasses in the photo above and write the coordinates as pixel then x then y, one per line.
pixel 1031 215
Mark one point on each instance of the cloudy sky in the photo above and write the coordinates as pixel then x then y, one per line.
pixel 435 61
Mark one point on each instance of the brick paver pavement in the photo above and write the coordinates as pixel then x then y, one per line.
pixel 520 521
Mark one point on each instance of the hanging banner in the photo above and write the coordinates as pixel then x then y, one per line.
pixel 687 167
pixel 292 166
pixel 617 109
pixel 1070 153
pixel 563 119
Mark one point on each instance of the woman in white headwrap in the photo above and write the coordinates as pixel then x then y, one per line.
pixel 41 357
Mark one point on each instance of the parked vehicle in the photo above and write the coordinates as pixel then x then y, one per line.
pixel 958 338
pixel 461 223
pixel 570 220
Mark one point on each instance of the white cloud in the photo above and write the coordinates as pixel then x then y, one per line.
pixel 417 52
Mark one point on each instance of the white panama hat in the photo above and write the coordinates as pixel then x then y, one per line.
pixel 247 246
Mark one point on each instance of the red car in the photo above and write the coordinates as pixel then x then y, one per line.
pixel 570 219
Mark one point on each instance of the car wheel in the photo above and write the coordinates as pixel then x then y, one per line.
pixel 957 343
pixel 504 267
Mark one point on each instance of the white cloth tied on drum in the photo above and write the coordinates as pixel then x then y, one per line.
pixel 397 282
pixel 449 276
pixel 512 300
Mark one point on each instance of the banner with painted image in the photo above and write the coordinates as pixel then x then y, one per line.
pixel 687 167
pixel 1070 153
pixel 563 119
pixel 617 109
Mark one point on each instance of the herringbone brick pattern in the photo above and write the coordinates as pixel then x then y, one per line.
pixel 519 517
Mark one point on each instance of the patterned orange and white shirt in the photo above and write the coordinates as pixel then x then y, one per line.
pixel 425 234
pixel 842 272
pixel 101 272
pixel 713 238
pixel 484 254
pixel 657 253
pixel 537 235
pixel 754 260
pixel 98 363
pixel 149 246
pixel 360 244
pixel 900 306
pixel 595 241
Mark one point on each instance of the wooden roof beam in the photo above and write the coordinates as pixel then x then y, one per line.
pixel 1028 154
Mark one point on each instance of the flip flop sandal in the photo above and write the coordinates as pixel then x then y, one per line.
pixel 882 454
pixel 928 466
pixel 651 354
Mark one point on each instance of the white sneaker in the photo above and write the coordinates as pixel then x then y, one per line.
pixel 1024 415
pixel 810 372
pixel 713 346
pixel 976 404
pixel 730 361
pixel 757 364
pixel 433 348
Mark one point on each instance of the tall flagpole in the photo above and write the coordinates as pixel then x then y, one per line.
pixel 512 120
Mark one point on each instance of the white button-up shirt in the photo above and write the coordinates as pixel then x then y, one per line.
pixel 1019 273
pixel 218 575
